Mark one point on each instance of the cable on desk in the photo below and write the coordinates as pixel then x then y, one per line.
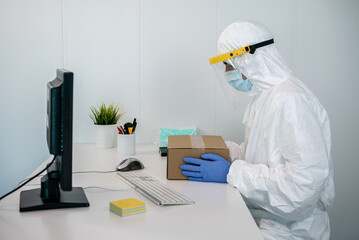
pixel 95 172
pixel 89 187
pixel 29 179
pixel 73 173
pixel 107 189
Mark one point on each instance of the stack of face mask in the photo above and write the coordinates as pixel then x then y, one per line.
pixel 127 207
pixel 165 132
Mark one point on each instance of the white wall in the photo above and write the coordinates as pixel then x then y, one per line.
pixel 101 47
pixel 151 57
pixel 30 52
pixel 326 51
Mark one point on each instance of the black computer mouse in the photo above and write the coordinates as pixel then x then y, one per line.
pixel 129 164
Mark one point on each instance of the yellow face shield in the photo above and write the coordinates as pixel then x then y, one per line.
pixel 230 78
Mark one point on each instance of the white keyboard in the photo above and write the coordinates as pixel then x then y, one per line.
pixel 153 189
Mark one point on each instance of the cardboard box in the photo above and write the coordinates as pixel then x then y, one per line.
pixel 191 146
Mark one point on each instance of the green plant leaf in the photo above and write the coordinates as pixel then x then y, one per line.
pixel 105 115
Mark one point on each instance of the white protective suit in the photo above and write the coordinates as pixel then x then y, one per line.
pixel 284 168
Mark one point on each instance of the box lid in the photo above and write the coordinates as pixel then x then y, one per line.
pixel 196 141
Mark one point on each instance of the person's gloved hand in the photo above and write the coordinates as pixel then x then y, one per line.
pixel 211 168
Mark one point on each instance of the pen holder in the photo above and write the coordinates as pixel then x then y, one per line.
pixel 126 144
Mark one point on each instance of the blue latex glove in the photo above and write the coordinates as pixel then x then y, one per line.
pixel 211 168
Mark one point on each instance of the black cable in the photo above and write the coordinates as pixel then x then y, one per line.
pixel 73 173
pixel 29 180
pixel 38 175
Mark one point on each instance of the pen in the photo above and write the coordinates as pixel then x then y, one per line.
pixel 119 130
pixel 126 128
pixel 123 130
pixel 134 125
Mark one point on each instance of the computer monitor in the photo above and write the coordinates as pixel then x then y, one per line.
pixel 56 186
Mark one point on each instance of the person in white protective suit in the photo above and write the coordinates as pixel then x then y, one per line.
pixel 283 169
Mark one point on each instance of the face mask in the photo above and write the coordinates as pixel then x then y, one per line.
pixel 234 78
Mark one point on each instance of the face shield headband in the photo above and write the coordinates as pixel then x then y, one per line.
pixel 246 49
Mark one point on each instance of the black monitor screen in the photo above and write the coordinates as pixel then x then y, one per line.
pixel 56 186
pixel 59 124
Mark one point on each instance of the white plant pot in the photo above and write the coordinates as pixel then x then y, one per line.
pixel 105 136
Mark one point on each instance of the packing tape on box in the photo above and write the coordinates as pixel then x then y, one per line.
pixel 197 141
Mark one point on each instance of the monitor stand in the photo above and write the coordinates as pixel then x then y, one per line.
pixel 50 196
pixel 30 200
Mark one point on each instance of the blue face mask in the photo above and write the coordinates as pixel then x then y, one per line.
pixel 234 78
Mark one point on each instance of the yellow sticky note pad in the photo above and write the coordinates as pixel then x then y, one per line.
pixel 126 207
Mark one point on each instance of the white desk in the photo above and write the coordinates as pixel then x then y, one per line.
pixel 219 211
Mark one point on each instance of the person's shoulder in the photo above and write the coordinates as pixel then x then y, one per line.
pixel 292 90
pixel 293 95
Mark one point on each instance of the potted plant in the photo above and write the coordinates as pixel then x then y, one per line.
pixel 105 119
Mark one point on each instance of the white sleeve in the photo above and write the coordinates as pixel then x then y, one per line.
pixel 292 189
pixel 236 151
